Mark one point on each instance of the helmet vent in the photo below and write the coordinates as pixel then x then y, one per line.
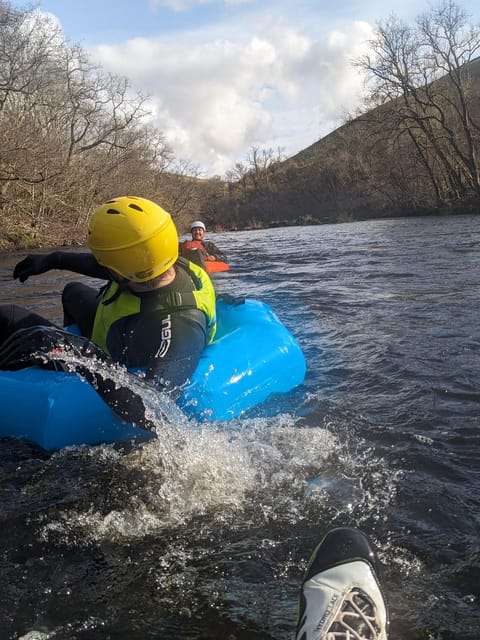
pixel 135 206
pixel 113 211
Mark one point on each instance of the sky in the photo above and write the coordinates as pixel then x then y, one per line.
pixel 227 76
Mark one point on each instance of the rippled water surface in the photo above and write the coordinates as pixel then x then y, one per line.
pixel 206 531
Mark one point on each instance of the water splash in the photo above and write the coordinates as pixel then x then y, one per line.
pixel 193 470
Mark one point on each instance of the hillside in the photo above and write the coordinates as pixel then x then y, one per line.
pixel 325 144
pixel 414 155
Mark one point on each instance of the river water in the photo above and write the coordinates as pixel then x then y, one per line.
pixel 206 531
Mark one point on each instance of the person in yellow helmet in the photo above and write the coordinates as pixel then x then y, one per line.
pixel 156 312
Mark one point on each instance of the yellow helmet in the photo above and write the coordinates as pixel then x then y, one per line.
pixel 134 237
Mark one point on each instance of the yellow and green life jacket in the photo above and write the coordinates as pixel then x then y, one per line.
pixel 117 303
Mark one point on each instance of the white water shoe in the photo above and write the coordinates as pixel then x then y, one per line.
pixel 341 595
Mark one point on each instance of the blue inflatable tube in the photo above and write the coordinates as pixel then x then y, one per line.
pixel 253 356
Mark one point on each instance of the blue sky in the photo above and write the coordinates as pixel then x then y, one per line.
pixel 228 75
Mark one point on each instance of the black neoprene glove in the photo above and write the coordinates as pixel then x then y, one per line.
pixel 32 265
pixel 51 348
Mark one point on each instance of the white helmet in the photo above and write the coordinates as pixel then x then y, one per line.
pixel 197 223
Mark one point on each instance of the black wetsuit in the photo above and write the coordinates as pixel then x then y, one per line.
pixel 165 342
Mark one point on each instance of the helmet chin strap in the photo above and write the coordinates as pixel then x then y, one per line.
pixel 123 285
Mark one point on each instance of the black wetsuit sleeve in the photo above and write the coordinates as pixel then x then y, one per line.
pixel 84 263
pixel 176 358
pixel 214 251
pixel 35 264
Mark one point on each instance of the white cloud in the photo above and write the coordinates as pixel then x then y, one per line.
pixel 216 97
pixel 187 5
pixel 269 73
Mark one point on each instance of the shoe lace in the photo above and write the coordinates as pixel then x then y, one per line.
pixel 356 620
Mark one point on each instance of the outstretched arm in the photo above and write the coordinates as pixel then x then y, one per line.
pixel 37 263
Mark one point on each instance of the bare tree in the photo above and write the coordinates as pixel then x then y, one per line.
pixel 453 44
pixel 423 74
pixel 71 134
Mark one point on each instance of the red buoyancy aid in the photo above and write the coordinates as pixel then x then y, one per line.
pixel 192 245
